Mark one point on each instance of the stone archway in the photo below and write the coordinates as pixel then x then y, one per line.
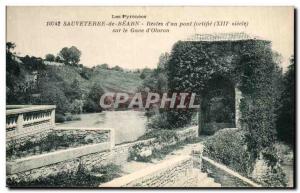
pixel 237 56
pixel 219 106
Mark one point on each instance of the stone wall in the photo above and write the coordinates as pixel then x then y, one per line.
pixel 212 128
pixel 68 160
pixel 165 174
pixel 187 133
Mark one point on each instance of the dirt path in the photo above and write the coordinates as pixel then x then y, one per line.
pixel 133 166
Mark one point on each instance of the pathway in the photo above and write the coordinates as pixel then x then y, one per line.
pixel 195 178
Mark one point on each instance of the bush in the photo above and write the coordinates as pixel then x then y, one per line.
pixel 139 152
pixel 268 170
pixel 158 121
pixel 228 146
pixel 59 118
pixel 162 136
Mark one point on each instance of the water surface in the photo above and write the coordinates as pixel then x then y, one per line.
pixel 128 125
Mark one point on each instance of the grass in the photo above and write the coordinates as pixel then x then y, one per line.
pixel 111 80
pixel 81 178
pixel 117 81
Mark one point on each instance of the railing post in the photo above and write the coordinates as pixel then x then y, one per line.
pixel 112 138
pixel 53 116
pixel 197 156
pixel 20 121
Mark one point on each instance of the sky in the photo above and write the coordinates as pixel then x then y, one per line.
pixel 26 26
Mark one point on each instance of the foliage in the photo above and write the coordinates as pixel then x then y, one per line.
pixel 272 174
pixel 159 121
pixel 161 135
pixel 20 83
pixel 248 64
pixel 50 57
pixel 53 93
pixel 218 101
pixel 156 80
pixel 117 68
pixel 104 66
pixel 286 113
pixel 136 153
pixel 228 146
pixel 59 118
pixel 145 72
pixel 15 77
pixel 76 106
pixel 71 56
pixel 275 177
pixel 92 102
pixel 53 141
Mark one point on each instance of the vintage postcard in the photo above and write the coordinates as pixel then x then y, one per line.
pixel 150 97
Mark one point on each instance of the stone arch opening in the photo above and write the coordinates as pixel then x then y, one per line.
pixel 218 105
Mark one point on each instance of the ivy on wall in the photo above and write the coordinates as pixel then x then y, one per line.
pixel 248 64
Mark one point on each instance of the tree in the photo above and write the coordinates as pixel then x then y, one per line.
pixel 145 72
pixel 92 102
pixel 163 60
pixel 117 68
pixel 10 46
pixel 104 66
pixel 50 57
pixel 286 113
pixel 58 59
pixel 73 91
pixel 71 56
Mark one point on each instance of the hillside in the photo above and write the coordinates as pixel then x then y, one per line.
pixel 111 80
pixel 116 81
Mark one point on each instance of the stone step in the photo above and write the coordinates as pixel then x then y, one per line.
pixel 202 179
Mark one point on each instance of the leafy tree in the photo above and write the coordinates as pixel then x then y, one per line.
pixel 16 85
pixel 32 63
pixel 71 56
pixel 74 91
pixel 163 60
pixel 50 57
pixel 157 80
pixel 145 72
pixel 286 113
pixel 58 59
pixel 117 68
pixel 104 66
pixel 92 101
pixel 76 106
pixel 53 93
pixel 9 47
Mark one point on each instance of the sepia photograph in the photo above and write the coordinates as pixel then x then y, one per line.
pixel 150 97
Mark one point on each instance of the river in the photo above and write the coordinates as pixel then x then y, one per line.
pixel 128 125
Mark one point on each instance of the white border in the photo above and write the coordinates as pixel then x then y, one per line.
pixel 4 3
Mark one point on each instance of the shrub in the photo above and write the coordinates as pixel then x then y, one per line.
pixel 158 121
pixel 59 118
pixel 228 146
pixel 268 170
pixel 137 153
pixel 162 136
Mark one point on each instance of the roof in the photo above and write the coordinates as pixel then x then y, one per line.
pixel 223 37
